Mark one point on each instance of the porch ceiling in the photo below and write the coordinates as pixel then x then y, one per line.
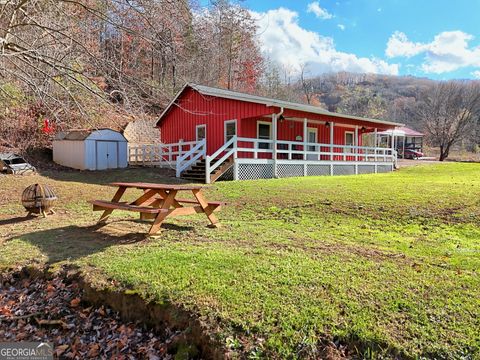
pixel 339 121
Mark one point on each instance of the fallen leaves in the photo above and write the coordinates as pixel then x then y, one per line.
pixel 75 302
pixel 52 311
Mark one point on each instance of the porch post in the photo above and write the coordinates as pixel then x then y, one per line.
pixel 355 149
pixel 331 140
pixel 305 134
pixel 274 152
pixel 356 143
pixel 375 144
pixel 394 158
pixel 235 159
pixel 331 148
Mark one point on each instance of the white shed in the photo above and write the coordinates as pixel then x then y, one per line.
pixel 91 149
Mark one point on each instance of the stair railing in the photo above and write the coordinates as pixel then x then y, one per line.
pixel 229 149
pixel 191 157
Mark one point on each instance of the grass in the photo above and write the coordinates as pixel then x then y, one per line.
pixel 385 263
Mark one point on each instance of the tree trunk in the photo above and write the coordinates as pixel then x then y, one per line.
pixel 444 151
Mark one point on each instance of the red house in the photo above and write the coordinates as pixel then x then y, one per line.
pixel 210 133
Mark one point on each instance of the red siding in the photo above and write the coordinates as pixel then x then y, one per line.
pixel 196 109
pixel 193 108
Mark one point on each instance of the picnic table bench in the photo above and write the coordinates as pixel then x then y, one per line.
pixel 159 201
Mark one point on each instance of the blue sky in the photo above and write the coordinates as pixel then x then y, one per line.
pixel 436 39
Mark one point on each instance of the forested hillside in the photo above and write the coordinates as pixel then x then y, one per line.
pixel 378 96
pixel 102 63
pixel 89 63
pixel 439 109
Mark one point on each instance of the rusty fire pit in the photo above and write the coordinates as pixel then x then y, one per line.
pixel 39 199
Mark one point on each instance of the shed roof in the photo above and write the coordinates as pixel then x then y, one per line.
pixel 235 95
pixel 81 134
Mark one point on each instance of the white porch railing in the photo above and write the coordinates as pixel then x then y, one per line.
pixel 228 149
pixel 162 155
pixel 183 155
pixel 189 158
pixel 294 150
pixel 239 147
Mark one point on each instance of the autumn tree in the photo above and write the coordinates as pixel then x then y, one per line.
pixel 228 50
pixel 449 112
pixel 67 51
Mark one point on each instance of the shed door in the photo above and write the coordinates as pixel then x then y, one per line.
pixel 107 155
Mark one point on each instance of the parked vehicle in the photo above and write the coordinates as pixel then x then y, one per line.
pixel 412 154
pixel 14 164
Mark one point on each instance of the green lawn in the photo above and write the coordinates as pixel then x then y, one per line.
pixel 387 264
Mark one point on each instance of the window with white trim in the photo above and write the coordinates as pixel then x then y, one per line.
pixel 312 135
pixel 264 131
pixel 349 140
pixel 201 132
pixel 230 130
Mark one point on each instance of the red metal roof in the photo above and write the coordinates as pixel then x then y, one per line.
pixel 402 131
pixel 410 132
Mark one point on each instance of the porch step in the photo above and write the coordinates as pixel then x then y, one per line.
pixel 197 172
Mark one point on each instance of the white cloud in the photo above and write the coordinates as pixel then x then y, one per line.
pixel 476 74
pixel 320 13
pixel 448 51
pixel 285 41
pixel 399 45
pixel 341 26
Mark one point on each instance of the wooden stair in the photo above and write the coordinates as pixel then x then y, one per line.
pixel 197 172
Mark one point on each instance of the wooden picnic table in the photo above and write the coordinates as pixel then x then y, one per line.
pixel 159 201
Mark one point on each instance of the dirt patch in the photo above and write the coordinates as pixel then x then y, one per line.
pixel 83 322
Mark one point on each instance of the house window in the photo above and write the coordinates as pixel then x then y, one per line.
pixel 349 140
pixel 312 138
pixel 230 130
pixel 264 131
pixel 201 132
pixel 312 135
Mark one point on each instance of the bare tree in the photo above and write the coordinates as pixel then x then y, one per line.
pixel 449 111
pixel 307 83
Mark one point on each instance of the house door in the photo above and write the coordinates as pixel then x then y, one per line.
pixel 107 155
pixel 230 130
pixel 312 138
pixel 201 132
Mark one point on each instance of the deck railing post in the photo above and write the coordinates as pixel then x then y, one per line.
pixel 331 140
pixel 235 162
pixel 355 149
pixel 305 134
pixel 207 169
pixel 274 153
pixel 160 154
